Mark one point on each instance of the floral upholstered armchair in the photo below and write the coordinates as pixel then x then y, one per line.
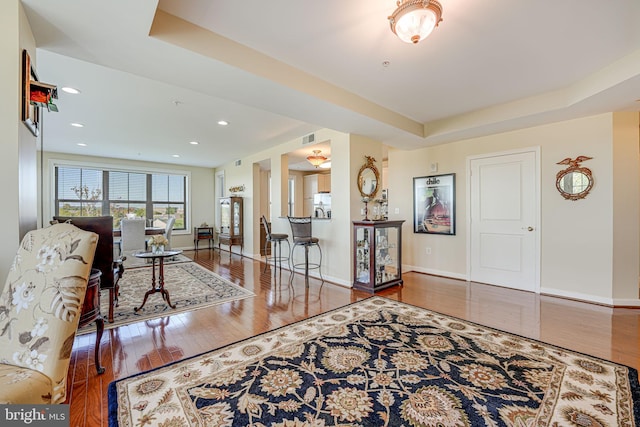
pixel 40 308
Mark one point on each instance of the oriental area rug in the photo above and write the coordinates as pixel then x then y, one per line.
pixel 190 287
pixel 379 362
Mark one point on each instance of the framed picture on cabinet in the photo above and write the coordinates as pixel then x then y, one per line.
pixel 434 204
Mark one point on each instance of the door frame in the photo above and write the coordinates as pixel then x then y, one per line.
pixel 537 168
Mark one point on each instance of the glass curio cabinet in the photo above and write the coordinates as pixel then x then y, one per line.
pixel 377 260
pixel 231 222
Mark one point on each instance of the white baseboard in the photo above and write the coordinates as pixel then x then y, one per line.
pixel 408 268
pixel 624 302
pixel 610 302
pixel 594 299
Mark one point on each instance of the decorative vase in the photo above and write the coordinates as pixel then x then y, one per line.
pixel 154 249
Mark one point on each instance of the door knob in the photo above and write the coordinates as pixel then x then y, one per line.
pixel 529 228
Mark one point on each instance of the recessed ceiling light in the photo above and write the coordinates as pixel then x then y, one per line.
pixel 223 122
pixel 77 125
pixel 175 155
pixel 70 90
pixel 81 144
pixel 194 142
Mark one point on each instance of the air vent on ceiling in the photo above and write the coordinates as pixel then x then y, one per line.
pixel 308 139
pixel 238 162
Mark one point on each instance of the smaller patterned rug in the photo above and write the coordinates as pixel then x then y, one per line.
pixel 190 287
pixel 379 362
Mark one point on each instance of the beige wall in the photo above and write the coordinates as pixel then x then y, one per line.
pixel 17 141
pixel 27 172
pixel 265 210
pixel 582 254
pixel 200 190
pixel 336 260
pixel 577 237
pixel 626 212
pixel 298 205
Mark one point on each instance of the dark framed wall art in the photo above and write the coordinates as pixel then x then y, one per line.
pixel 434 204
pixel 30 112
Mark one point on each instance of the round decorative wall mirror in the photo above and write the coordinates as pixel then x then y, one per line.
pixel 368 178
pixel 575 181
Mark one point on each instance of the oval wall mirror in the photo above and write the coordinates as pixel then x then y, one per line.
pixel 368 178
pixel 576 181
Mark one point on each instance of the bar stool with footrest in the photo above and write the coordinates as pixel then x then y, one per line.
pixel 302 236
pixel 276 239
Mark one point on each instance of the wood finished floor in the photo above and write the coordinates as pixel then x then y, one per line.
pixel 612 334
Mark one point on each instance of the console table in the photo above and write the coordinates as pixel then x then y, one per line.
pixel 202 233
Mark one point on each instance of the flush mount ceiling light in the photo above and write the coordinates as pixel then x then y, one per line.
pixel 316 159
pixel 414 20
pixel 70 90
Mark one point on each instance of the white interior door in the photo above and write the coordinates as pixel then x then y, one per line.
pixel 504 221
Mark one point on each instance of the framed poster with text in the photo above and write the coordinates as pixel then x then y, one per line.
pixel 434 204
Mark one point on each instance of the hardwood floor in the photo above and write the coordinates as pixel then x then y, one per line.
pixel 612 334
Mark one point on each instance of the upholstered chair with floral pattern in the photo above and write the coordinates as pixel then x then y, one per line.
pixel 40 308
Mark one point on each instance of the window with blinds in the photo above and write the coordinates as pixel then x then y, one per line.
pixel 94 192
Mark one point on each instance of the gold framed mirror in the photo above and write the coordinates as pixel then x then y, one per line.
pixel 368 178
pixel 576 181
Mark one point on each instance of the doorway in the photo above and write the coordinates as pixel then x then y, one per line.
pixel 504 237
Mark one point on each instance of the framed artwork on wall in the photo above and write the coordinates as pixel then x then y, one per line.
pixel 434 204
pixel 30 112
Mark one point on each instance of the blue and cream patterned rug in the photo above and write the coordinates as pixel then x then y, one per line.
pixel 379 362
pixel 190 287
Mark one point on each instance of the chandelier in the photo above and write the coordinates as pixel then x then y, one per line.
pixel 316 159
pixel 414 20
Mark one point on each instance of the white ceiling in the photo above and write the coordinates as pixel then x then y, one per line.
pixel 278 70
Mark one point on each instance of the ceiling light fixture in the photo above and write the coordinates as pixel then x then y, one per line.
pixel 223 122
pixel 71 90
pixel 316 159
pixel 77 125
pixel 194 142
pixel 81 144
pixel 414 20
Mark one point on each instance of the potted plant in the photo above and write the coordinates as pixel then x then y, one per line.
pixel 157 243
